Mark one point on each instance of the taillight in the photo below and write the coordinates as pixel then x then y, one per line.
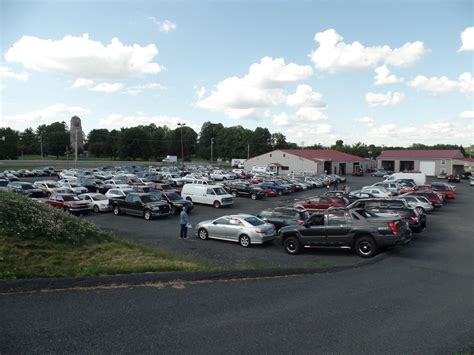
pixel 300 221
pixel 414 219
pixel 260 231
pixel 393 227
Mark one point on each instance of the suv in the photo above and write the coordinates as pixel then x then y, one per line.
pixel 283 216
pixel 359 229
pixel 382 207
pixel 25 188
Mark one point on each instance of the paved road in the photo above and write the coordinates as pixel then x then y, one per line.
pixel 420 299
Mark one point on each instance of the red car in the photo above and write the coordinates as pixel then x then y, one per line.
pixel 270 192
pixel 319 203
pixel 443 189
pixel 69 202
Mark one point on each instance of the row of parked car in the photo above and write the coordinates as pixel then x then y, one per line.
pixel 379 215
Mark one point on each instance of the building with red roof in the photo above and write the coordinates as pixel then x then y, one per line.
pixel 432 162
pixel 317 161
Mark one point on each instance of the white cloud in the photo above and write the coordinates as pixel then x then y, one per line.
pixel 84 58
pixel 107 87
pixel 383 76
pixel 369 121
pixel 163 26
pixel 305 97
pixel 117 121
pixel 438 85
pixel 258 90
pixel 305 116
pixel 467 39
pixel 311 134
pixel 333 54
pixel 81 82
pixel 137 89
pixel 2 87
pixel 467 114
pixel 7 73
pixel 201 92
pixel 381 99
pixel 52 113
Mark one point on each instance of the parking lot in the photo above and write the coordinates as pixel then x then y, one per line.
pixel 163 233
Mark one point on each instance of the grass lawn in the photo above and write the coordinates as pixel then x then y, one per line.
pixel 42 258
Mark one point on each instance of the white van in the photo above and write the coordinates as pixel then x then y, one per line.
pixel 262 170
pixel 214 195
pixel 418 178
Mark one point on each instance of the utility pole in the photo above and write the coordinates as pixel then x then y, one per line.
pixel 212 152
pixel 248 151
pixel 75 151
pixel 182 147
pixel 41 145
pixel 67 157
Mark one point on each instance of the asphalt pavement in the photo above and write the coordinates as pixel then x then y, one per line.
pixel 418 299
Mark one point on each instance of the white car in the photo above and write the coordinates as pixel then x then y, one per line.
pixel 99 202
pixel 471 181
pixel 118 193
pixel 74 186
pixel 393 187
pixel 377 191
pixel 221 175
pixel 418 202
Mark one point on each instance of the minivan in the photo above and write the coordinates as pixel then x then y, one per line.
pixel 214 195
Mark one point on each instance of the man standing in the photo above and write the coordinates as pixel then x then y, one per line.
pixel 183 221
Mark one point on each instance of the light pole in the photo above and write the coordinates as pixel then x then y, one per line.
pixel 212 152
pixel 182 147
pixel 21 147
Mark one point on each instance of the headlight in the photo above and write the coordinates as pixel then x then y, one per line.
pixel 179 205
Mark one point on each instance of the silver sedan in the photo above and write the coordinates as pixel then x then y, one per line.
pixel 242 228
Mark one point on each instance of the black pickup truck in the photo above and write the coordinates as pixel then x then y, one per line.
pixel 359 229
pixel 141 204
pixel 245 190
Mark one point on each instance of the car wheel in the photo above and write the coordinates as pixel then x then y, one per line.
pixel 366 247
pixel 234 193
pixel 280 192
pixel 189 199
pixel 202 233
pixel 172 210
pixel 217 204
pixel 224 179
pixel 244 240
pixel 96 209
pixel 116 210
pixel 147 215
pixel 292 245
pixel 253 196
pixel 420 210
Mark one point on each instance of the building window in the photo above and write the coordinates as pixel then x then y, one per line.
pixel 443 162
pixel 270 155
pixel 284 155
pixel 284 168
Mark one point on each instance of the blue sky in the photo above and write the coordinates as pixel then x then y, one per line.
pixel 253 63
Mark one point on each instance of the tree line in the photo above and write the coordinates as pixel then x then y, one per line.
pixel 151 142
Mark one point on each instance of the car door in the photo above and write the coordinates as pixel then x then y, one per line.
pixel 337 228
pixel 134 206
pixel 217 228
pixel 234 229
pixel 314 231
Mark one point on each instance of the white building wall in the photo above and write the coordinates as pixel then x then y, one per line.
pixel 294 163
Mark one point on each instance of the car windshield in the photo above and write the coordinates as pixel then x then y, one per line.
pixel 26 187
pixel 149 198
pixel 51 185
pixel 174 196
pixel 99 198
pixel 220 191
pixel 70 198
pixel 254 221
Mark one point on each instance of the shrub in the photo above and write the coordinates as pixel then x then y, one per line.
pixel 28 219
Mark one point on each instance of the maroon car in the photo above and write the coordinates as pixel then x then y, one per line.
pixel 320 203
pixel 69 202
pixel 432 196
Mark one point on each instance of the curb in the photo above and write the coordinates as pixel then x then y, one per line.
pixel 141 279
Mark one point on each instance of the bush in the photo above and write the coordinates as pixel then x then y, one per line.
pixel 25 218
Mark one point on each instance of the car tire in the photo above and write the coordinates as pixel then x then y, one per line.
pixel 173 210
pixel 280 192
pixel 203 234
pixel 253 196
pixel 365 247
pixel 96 209
pixel 147 215
pixel 216 204
pixel 292 245
pixel 244 240
pixel 189 199
pixel 420 210
pixel 234 194
pixel 116 210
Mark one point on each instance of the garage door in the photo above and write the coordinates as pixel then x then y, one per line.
pixel 427 167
